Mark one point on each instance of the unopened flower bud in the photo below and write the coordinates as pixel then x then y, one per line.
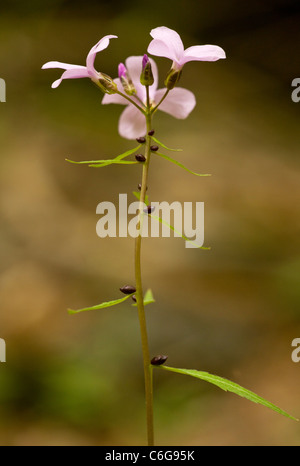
pixel 172 78
pixel 106 84
pixel 140 158
pixel 125 79
pixel 158 360
pixel 146 78
pixel 128 289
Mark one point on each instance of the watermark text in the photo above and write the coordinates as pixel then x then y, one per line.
pixel 2 90
pixel 296 352
pixel 296 91
pixel 2 350
pixel 160 219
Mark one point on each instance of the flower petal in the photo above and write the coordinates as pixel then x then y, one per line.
pixel 115 98
pixel 79 72
pixel 101 45
pixel 63 66
pixel 203 53
pixel 167 43
pixel 132 123
pixel 134 67
pixel 179 102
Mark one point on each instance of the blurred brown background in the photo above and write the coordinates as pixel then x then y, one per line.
pixel 234 310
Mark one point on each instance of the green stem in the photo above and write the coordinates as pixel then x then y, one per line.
pixel 139 287
pixel 161 100
pixel 131 101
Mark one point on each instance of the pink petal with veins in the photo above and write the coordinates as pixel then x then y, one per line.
pixel 203 53
pixel 63 66
pixel 101 45
pixel 179 102
pixel 132 123
pixel 167 43
pixel 79 72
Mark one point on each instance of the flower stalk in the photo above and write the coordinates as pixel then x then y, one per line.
pixel 139 287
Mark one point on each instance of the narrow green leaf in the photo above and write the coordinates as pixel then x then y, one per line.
pixel 137 194
pixel 113 161
pixel 176 231
pixel 164 146
pixel 107 161
pixel 148 298
pixel 101 306
pixel 179 164
pixel 229 386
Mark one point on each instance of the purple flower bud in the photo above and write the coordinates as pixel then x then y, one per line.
pixel 125 79
pixel 146 78
pixel 122 72
pixel 145 61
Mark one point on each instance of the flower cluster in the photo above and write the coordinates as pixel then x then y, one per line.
pixel 137 83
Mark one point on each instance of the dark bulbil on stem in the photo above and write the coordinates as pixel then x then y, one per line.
pixel 140 187
pixel 128 289
pixel 141 140
pixel 149 209
pixel 150 133
pixel 154 148
pixel 140 158
pixel 158 360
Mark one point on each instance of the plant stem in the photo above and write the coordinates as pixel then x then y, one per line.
pixel 139 288
pixel 131 101
pixel 161 100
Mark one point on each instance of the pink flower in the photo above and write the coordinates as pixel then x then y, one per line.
pixel 167 43
pixel 77 71
pixel 178 103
